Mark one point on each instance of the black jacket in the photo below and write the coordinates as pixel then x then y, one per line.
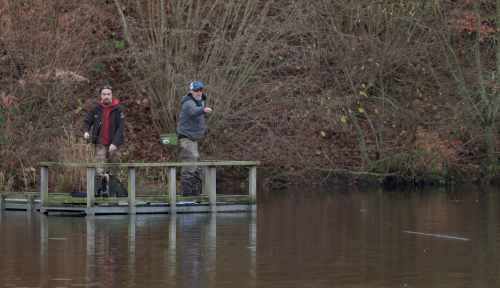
pixel 116 124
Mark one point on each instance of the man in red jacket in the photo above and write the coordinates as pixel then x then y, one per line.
pixel 108 120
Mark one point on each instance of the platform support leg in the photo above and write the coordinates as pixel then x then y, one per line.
pixel 205 180
pixel 213 189
pixel 252 185
pixel 90 191
pixel 172 190
pixel 44 186
pixel 2 201
pixel 30 207
pixel 131 191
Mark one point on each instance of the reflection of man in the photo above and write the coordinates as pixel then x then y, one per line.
pixel 191 128
pixel 108 120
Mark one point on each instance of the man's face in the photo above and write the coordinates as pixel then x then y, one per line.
pixel 197 93
pixel 106 96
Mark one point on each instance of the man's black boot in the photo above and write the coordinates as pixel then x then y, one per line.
pixel 113 185
pixel 194 189
pixel 186 190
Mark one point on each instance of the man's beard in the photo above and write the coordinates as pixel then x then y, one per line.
pixel 106 102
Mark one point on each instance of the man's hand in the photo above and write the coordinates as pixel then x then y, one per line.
pixel 207 110
pixel 86 135
pixel 112 148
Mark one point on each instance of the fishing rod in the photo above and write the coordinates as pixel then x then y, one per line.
pixel 232 115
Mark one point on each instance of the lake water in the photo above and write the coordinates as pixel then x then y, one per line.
pixel 300 237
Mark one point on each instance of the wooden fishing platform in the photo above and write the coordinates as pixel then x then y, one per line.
pixel 63 204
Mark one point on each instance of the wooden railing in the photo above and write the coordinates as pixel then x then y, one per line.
pixel 208 180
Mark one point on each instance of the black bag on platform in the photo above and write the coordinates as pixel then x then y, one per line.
pixel 103 190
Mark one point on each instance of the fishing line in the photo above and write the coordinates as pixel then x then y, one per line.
pixel 88 140
pixel 437 235
pixel 395 227
pixel 232 115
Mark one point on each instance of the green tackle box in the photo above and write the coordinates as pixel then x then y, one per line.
pixel 169 139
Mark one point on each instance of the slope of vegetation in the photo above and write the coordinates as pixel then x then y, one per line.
pixel 364 90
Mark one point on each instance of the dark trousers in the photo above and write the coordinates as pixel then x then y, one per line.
pixel 191 175
pixel 102 155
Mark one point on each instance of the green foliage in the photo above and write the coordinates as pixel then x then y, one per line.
pixel 114 44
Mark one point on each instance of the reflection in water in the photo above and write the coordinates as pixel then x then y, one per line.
pixel 131 243
pixel 172 237
pixel 253 249
pixel 89 273
pixel 311 238
pixel 190 253
pixel 190 250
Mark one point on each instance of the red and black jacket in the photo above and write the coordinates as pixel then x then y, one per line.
pixel 116 122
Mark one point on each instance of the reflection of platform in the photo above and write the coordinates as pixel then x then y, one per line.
pixel 180 249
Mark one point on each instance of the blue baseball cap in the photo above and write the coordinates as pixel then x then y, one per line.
pixel 195 85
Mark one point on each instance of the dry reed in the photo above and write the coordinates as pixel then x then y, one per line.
pixel 73 150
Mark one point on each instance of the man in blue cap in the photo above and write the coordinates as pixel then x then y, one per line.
pixel 191 128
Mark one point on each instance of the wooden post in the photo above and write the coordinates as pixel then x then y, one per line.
pixel 131 190
pixel 44 186
pixel 2 201
pixel 30 207
pixel 90 190
pixel 205 180
pixel 252 185
pixel 213 189
pixel 172 189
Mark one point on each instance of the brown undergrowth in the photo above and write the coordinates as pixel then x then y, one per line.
pixel 354 89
